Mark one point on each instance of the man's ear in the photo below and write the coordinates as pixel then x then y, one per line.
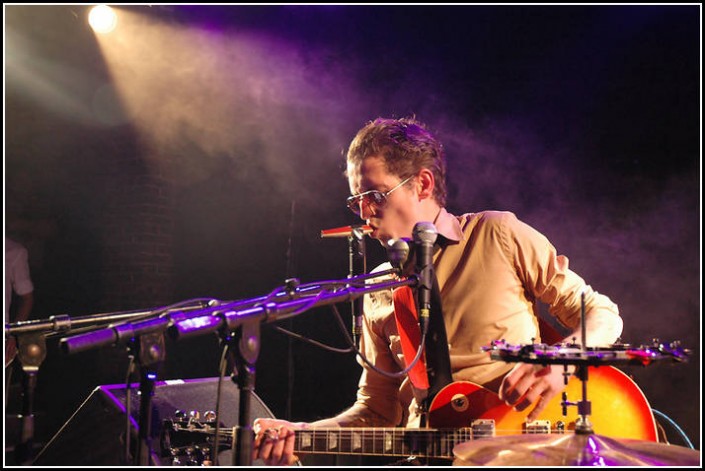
pixel 426 184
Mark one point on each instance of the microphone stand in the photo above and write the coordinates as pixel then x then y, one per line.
pixel 247 340
pixel 233 317
pixel 31 345
pixel 149 349
pixel 356 257
pixel 31 353
pixel 246 323
pixel 145 341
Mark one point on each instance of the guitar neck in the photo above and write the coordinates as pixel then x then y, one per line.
pixel 377 441
pixel 382 441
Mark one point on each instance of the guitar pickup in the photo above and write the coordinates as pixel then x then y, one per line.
pixel 482 428
pixel 537 426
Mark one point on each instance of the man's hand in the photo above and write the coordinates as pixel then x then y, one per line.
pixel 274 441
pixel 529 383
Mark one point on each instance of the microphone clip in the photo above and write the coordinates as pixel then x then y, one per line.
pixel 291 286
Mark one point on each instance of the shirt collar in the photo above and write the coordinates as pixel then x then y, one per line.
pixel 448 226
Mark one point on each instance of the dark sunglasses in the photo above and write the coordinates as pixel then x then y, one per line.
pixel 376 197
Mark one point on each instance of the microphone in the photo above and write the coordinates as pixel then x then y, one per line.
pixel 346 231
pixel 398 252
pixel 425 235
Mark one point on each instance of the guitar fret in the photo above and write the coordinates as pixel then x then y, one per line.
pixel 322 439
pixel 438 444
pixel 399 444
pixel 368 442
pixel 388 443
pixel 303 441
pixel 356 443
pixel 332 440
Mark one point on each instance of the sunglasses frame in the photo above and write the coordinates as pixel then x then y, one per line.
pixel 376 197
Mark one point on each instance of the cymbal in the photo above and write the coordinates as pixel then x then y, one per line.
pixel 571 449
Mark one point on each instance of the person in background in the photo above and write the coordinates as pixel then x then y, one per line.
pixel 19 298
pixel 492 269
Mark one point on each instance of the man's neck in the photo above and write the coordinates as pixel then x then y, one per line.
pixel 429 211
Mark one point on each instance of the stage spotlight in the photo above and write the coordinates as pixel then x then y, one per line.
pixel 102 19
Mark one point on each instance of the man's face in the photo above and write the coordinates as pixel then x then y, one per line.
pixel 397 216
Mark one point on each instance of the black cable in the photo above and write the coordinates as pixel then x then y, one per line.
pixel 128 408
pixel 221 375
pixel 353 347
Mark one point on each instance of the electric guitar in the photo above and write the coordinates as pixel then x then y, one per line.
pixel 460 412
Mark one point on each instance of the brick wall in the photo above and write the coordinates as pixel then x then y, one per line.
pixel 137 271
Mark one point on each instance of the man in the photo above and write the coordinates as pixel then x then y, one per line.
pixel 19 283
pixel 491 270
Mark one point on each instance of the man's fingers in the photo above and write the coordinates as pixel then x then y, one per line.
pixel 540 406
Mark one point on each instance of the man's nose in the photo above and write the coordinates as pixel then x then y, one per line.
pixel 366 209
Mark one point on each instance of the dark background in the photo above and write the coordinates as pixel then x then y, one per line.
pixel 198 152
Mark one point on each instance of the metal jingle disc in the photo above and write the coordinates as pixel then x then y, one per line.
pixel 571 450
pixel 572 354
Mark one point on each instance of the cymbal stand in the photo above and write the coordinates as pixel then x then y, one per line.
pixel 583 425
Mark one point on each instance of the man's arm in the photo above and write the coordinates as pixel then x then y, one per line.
pixel 24 308
pixel 548 277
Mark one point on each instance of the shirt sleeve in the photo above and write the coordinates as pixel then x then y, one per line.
pixel 548 278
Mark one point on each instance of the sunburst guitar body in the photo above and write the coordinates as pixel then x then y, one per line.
pixel 618 408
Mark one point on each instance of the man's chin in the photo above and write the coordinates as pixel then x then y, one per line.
pixel 382 241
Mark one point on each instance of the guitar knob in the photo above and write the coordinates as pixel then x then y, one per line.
pixel 560 427
pixel 193 417
pixel 459 402
pixel 209 417
pixel 180 416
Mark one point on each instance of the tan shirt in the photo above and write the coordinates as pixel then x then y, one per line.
pixel 491 269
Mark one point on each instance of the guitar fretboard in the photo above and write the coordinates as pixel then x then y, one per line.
pixel 384 441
